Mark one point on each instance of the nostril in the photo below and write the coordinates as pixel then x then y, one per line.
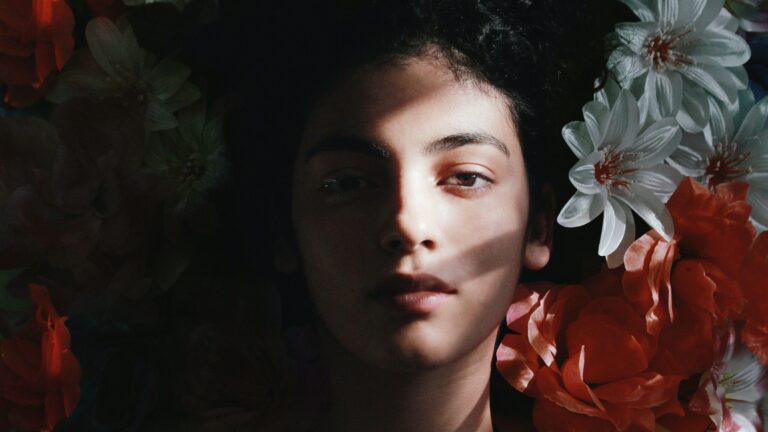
pixel 429 244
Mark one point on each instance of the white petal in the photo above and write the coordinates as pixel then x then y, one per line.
pixel 107 45
pixel 641 9
pixel 580 210
pixel 753 122
pixel 720 127
pixel 582 175
pixel 759 200
pixel 707 11
pixel 614 226
pixel 725 21
pixel 716 46
pixel 657 142
pixel 665 91
pixel 616 258
pixel 166 78
pixel 715 79
pixel 667 12
pixel 691 155
pixel 596 118
pixel 623 123
pixel 694 109
pixel 577 137
pixel 158 117
pixel 192 122
pixel 739 110
pixel 626 65
pixel 649 207
pixel 661 179
pixel 634 35
pixel 187 94
pixel 609 93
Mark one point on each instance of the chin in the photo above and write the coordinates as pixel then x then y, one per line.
pixel 416 347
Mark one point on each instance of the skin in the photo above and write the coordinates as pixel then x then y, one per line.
pixel 458 213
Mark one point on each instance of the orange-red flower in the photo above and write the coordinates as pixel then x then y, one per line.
pixel 585 355
pixel 701 264
pixel 39 375
pixel 35 42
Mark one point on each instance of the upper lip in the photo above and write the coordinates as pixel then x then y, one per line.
pixel 402 283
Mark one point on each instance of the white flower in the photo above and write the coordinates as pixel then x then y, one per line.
pixel 734 388
pixel 732 147
pixel 753 14
pixel 116 66
pixel 180 4
pixel 192 156
pixel 678 48
pixel 620 168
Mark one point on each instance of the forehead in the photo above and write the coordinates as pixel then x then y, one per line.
pixel 419 100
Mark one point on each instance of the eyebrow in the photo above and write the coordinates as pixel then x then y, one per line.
pixel 379 151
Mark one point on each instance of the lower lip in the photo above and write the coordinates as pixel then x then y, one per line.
pixel 417 302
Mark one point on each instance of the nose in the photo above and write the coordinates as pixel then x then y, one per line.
pixel 411 219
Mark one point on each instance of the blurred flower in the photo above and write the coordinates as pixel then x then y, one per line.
pixel 106 8
pixel 192 157
pixel 115 66
pixel 752 14
pixel 620 168
pixel 180 4
pixel 586 358
pixel 700 265
pixel 731 148
pixel 39 375
pixel 731 391
pixel 36 41
pixel 76 198
pixel 677 47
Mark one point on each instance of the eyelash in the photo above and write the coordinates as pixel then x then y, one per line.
pixel 326 183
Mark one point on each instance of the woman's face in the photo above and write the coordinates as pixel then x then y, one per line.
pixel 403 170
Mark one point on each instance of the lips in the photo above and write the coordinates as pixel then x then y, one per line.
pixel 413 294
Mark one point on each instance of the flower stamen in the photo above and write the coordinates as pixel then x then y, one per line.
pixel 725 165
pixel 661 49
pixel 610 169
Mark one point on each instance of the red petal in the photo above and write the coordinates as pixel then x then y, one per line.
pixel 550 417
pixel 611 351
pixel 517 361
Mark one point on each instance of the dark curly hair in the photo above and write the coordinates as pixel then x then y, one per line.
pixel 544 55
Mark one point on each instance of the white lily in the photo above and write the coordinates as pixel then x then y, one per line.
pixel 678 48
pixel 752 14
pixel 180 4
pixel 732 147
pixel 620 169
pixel 119 67
pixel 192 156
pixel 734 388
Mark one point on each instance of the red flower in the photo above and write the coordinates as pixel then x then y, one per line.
pixel 585 355
pixel 753 280
pixel 39 375
pixel 35 42
pixel 702 262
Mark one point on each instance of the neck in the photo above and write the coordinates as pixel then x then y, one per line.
pixel 451 398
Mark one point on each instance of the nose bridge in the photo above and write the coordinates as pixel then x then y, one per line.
pixel 411 213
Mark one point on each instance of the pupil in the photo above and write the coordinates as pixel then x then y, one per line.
pixel 467 179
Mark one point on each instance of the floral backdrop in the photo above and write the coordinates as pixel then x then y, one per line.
pixel 121 307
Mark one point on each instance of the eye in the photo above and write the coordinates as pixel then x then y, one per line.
pixel 347 183
pixel 468 180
